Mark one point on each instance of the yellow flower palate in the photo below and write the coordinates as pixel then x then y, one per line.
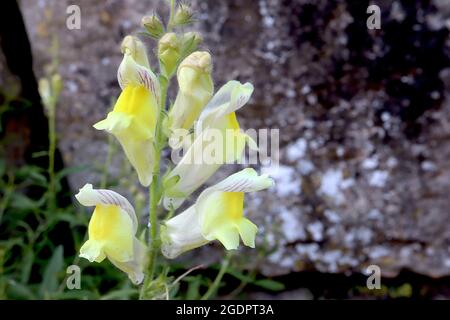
pixel 136 105
pixel 133 123
pixel 112 232
pixel 225 220
pixel 109 235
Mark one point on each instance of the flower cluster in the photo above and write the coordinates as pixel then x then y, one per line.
pixel 142 125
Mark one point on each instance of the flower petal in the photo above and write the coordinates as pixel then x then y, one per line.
pixel 246 180
pixel 133 122
pixel 132 73
pixel 230 97
pixel 141 156
pixel 93 251
pixel 227 235
pixel 247 231
pixel 88 196
pixel 133 46
pixel 191 171
pixel 134 267
pixel 181 233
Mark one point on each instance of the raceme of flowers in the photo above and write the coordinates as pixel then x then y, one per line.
pixel 218 212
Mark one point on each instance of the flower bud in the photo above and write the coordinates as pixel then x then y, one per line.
pixel 45 91
pixel 169 53
pixel 195 89
pixel 190 42
pixel 183 16
pixel 56 85
pixel 153 25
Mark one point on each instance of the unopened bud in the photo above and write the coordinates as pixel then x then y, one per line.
pixel 169 53
pixel 190 42
pixel 183 16
pixel 56 85
pixel 45 91
pixel 153 25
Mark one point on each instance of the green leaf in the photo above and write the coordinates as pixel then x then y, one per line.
pixel 239 275
pixel 70 170
pixel 38 178
pixel 120 294
pixel 17 290
pixel 2 167
pixel 27 264
pixel 34 172
pixel 39 154
pixel 269 284
pixel 193 291
pixel 75 295
pixel 72 218
pixel 404 291
pixel 55 265
pixel 22 202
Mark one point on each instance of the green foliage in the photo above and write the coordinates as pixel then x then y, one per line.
pixel 37 238
pixel 403 291
pixel 33 261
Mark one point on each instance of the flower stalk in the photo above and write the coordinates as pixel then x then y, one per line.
pixel 49 89
pixel 216 283
pixel 143 124
pixel 154 187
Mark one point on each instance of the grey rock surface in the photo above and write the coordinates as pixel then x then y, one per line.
pixel 364 119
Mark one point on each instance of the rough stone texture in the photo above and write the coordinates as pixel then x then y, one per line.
pixel 364 118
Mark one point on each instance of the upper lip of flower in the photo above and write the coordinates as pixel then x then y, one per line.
pixel 200 60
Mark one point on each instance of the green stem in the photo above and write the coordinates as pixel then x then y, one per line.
pixel 51 155
pixel 215 285
pixel 6 195
pixel 172 12
pixel 111 150
pixel 154 195
pixel 153 218
pixel 248 278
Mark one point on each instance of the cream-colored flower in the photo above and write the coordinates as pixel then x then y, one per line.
pixel 217 215
pixel 195 90
pixel 112 232
pixel 218 140
pixel 135 115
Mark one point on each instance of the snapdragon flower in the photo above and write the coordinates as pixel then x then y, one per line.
pixel 136 112
pixel 217 214
pixel 112 232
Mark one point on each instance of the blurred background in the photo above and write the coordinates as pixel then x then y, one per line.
pixel 364 120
